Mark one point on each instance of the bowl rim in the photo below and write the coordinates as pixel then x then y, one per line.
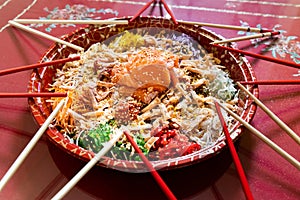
pixel 38 112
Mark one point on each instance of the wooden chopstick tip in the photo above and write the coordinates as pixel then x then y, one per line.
pixel 12 22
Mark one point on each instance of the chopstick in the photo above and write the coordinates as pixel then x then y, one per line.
pixel 224 26
pixel 38 65
pixel 271 82
pixel 33 94
pixel 107 146
pixel 148 4
pixel 266 140
pixel 47 36
pixel 141 11
pixel 153 172
pixel 276 119
pixel 77 21
pixel 169 11
pixel 247 37
pixel 30 146
pixel 234 155
pixel 278 61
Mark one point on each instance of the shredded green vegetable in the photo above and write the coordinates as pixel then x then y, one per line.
pixel 94 139
pixel 121 149
pixel 141 144
pixel 222 86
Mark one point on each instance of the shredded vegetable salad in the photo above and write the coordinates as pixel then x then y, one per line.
pixel 160 87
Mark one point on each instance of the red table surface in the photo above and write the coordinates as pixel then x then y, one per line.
pixel 269 175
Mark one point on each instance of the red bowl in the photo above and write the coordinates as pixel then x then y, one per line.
pixel 238 67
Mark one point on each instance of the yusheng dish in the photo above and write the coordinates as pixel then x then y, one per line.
pixel 160 87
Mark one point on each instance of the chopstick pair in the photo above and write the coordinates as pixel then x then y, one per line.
pixel 275 147
pixel 276 119
pixel 247 37
pixel 154 3
pixel 261 136
pixel 47 36
pixel 232 149
pixel 266 140
pixel 254 55
pixel 261 32
pixel 225 26
pixel 234 155
pixel 35 66
pixel 18 23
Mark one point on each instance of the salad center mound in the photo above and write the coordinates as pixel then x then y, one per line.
pixel 160 87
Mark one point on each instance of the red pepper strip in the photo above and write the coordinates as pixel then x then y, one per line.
pixel 192 148
pixel 171 144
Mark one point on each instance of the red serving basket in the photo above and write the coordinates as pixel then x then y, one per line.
pixel 237 66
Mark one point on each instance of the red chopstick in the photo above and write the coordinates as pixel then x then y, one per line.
pixel 27 95
pixel 254 55
pixel 271 82
pixel 148 4
pixel 33 66
pixel 154 173
pixel 141 11
pixel 235 156
pixel 169 11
